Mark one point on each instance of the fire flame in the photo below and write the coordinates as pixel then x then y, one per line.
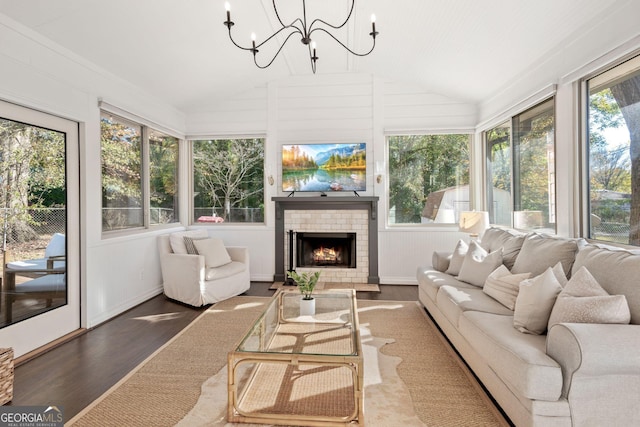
pixel 325 254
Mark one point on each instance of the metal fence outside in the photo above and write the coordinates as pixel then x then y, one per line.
pixel 611 232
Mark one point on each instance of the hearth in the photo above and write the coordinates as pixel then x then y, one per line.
pixel 326 250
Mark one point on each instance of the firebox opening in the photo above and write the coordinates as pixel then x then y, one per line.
pixel 326 250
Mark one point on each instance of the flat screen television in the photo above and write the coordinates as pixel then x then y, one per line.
pixel 324 167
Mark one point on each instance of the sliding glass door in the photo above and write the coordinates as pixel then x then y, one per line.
pixel 39 297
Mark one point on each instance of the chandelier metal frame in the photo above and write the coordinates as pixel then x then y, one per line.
pixel 299 26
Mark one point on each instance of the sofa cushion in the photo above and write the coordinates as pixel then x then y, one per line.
pixel 214 252
pixel 457 258
pixel 536 299
pixel 454 300
pixel 430 281
pixel 518 359
pixel 177 239
pixel 503 286
pixel 509 240
pixel 540 252
pixel 227 270
pixel 478 264
pixel 584 301
pixel 616 270
pixel 440 260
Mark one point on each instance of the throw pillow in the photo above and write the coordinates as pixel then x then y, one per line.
pixel 457 258
pixel 535 301
pixel 614 269
pixel 177 239
pixel 188 243
pixel 540 252
pixel 510 241
pixel 478 264
pixel 583 300
pixel 440 260
pixel 214 252
pixel 503 286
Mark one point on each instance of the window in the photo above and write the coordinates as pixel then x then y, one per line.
pixel 613 120
pixel 228 180
pixel 163 178
pixel 124 145
pixel 521 170
pixel 534 168
pixel 499 174
pixel 428 178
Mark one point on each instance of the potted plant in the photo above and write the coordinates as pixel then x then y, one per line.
pixel 306 283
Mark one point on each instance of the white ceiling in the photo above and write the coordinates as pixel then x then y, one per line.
pixel 179 50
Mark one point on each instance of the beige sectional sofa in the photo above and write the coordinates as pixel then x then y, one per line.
pixel 574 374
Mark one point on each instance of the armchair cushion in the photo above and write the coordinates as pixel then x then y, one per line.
pixel 56 246
pixel 214 252
pixel 226 270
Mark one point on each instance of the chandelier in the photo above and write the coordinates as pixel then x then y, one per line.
pixel 299 26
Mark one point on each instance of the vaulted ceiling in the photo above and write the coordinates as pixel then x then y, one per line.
pixel 179 50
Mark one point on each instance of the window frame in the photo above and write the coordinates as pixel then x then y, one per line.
pixel 584 164
pixel 145 130
pixel 514 167
pixel 433 225
pixel 191 179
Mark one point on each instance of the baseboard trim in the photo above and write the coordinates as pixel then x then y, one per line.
pixel 48 347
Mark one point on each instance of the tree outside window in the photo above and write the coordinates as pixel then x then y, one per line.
pixel 428 178
pixel 614 154
pixel 163 178
pixel 228 177
pixel 121 150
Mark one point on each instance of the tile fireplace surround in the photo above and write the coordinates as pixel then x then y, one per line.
pixel 323 214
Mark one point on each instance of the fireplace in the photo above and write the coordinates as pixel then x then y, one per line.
pixel 326 250
pixel 330 214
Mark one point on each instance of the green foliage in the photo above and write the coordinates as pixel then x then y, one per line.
pixel 353 161
pixel 163 170
pixel 499 141
pixel 422 164
pixel 306 282
pixel 121 153
pixel 533 160
pixel 32 175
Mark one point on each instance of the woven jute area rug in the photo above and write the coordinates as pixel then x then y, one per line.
pixel 412 377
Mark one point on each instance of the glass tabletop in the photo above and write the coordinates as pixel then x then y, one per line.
pixel 332 330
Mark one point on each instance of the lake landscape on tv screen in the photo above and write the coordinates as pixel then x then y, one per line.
pixel 324 167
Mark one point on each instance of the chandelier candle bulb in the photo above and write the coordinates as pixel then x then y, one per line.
pixel 227 7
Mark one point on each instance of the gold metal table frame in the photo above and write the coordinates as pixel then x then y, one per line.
pixel 330 342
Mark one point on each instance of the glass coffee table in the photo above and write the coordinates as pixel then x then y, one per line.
pixel 300 370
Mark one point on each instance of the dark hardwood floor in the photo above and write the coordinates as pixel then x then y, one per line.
pixel 77 372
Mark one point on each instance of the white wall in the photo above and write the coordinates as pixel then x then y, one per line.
pixel 337 108
pixel 37 74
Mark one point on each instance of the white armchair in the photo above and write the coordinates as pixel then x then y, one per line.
pixel 186 277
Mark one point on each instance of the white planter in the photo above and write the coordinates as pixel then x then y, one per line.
pixel 307 307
